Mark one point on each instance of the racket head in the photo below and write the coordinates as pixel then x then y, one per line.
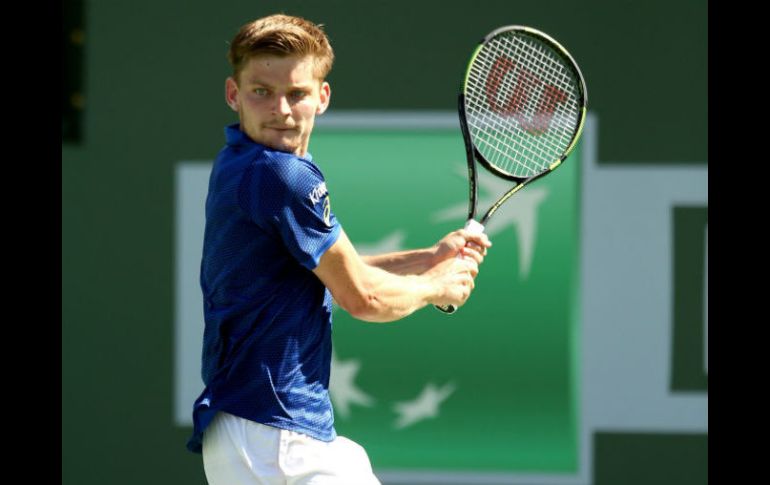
pixel 524 102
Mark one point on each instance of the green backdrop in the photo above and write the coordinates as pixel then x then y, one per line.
pixel 506 357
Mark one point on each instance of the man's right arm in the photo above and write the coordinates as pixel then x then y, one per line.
pixel 372 294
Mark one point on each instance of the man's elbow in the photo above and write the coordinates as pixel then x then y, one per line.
pixel 362 306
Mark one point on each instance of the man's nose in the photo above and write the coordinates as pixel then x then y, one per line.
pixel 282 105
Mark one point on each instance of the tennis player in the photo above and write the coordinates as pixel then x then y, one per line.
pixel 274 255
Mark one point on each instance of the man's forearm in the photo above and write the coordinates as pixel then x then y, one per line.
pixel 372 289
pixel 390 297
pixel 415 261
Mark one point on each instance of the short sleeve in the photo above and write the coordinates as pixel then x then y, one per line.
pixel 288 198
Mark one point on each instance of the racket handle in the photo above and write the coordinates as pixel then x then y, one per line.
pixel 474 228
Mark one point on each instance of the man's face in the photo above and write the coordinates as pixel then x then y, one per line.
pixel 277 99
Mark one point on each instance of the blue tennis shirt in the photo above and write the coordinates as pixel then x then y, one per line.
pixel 267 339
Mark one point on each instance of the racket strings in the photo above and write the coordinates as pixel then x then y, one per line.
pixel 527 82
pixel 522 104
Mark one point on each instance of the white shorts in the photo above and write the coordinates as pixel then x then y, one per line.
pixel 237 451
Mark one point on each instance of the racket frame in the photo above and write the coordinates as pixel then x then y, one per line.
pixel 473 154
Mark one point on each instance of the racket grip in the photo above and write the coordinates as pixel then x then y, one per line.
pixel 475 228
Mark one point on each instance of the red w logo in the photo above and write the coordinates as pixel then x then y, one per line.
pixel 526 83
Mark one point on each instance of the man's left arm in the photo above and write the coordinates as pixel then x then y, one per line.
pixel 417 261
pixel 414 261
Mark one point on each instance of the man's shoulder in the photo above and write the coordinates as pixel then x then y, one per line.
pixel 249 158
pixel 271 155
pixel 286 166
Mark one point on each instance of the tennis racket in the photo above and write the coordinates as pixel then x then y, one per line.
pixel 522 108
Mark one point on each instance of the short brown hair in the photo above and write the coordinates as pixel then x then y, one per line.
pixel 281 35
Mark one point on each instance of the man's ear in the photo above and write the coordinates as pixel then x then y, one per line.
pixel 325 95
pixel 231 94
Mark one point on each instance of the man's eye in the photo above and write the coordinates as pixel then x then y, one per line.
pixel 260 91
pixel 298 94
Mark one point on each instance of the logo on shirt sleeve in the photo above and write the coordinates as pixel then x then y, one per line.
pixel 316 195
pixel 327 211
pixel 318 192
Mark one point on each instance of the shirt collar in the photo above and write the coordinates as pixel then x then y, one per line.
pixel 234 137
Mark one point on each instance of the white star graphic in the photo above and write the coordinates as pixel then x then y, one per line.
pixel 423 406
pixel 389 244
pixel 520 212
pixel 342 390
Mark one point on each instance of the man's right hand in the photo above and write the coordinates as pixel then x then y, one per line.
pixel 454 280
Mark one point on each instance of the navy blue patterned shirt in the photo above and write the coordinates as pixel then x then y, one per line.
pixel 267 339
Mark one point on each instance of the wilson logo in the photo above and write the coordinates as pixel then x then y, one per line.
pixel 518 99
